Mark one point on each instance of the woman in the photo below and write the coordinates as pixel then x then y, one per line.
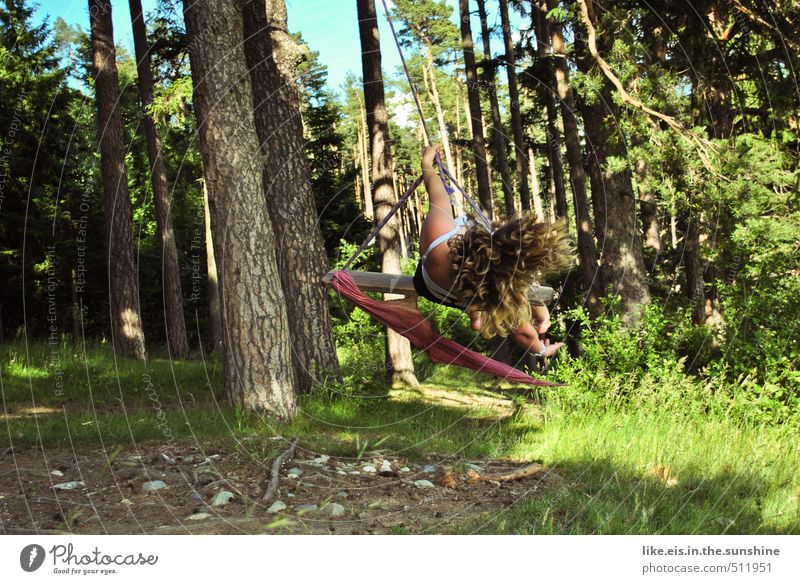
pixel 488 274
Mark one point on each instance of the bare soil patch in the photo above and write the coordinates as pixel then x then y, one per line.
pixel 352 497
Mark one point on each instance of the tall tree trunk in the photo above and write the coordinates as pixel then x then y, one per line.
pixel 126 324
pixel 212 281
pixel 693 266
pixel 622 267
pixel 177 344
pixel 398 350
pixel 552 134
pixel 287 181
pixel 257 353
pixel 537 194
pixel 518 131
pixel 437 105
pixel 587 252
pixel 474 97
pixel 499 144
pixel 363 159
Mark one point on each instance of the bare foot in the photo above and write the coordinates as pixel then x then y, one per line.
pixel 542 326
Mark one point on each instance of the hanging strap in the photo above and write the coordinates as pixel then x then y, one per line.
pixel 384 221
pixel 443 172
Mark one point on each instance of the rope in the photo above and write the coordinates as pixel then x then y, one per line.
pixel 443 171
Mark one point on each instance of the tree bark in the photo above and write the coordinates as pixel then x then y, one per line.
pixel 622 268
pixel 552 134
pixel 126 325
pixel 474 97
pixel 257 354
pixel 400 365
pixel 587 252
pixel 302 260
pixel 693 266
pixel 177 344
pixel 499 144
pixel 517 128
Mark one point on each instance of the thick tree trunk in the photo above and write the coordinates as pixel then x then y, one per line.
pixel 499 144
pixel 257 352
pixel 552 134
pixel 622 268
pixel 399 360
pixel 126 325
pixel 518 131
pixel 587 252
pixel 474 97
pixel 177 344
pixel 300 248
pixel 212 281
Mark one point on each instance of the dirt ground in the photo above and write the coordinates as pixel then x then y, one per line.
pixel 385 496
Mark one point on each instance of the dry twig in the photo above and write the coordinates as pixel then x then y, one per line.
pixel 276 469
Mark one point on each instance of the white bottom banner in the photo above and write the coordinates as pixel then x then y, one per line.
pixel 389 559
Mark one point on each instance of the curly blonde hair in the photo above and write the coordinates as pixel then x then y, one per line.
pixel 492 272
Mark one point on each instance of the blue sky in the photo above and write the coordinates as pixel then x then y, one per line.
pixel 328 26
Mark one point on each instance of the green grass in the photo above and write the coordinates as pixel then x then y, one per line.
pixel 623 470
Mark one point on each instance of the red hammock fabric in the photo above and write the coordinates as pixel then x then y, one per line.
pixel 418 330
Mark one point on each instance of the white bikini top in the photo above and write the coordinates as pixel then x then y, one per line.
pixel 433 287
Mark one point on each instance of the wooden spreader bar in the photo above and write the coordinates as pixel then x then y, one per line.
pixel 404 285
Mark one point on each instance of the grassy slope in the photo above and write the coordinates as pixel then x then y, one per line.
pixel 623 471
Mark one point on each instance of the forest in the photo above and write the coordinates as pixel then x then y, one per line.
pixel 169 210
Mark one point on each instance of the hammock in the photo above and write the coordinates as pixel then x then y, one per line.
pixel 409 323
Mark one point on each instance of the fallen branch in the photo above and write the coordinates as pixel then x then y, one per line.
pixel 276 469
pixel 521 473
pixel 703 147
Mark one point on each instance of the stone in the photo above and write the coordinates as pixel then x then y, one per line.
pixel 306 508
pixel 405 469
pixel 294 473
pixel 369 468
pixel 153 486
pixel 198 517
pixel 320 460
pixel 386 466
pixel 429 469
pixel 188 459
pixel 276 507
pixel 423 484
pixel 341 472
pixel 332 510
pixel 194 497
pixel 56 473
pixel 70 486
pixel 222 498
pixel 167 458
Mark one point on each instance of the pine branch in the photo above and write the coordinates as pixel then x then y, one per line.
pixel 705 149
